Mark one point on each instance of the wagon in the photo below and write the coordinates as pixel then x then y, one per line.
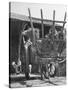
pixel 47 49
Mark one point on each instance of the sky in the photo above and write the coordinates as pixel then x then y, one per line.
pixel 22 9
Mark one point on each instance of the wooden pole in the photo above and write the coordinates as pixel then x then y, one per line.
pixel 53 28
pixel 54 18
pixel 33 31
pixel 19 47
pixel 42 24
pixel 64 20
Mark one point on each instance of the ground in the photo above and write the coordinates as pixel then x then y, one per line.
pixel 35 81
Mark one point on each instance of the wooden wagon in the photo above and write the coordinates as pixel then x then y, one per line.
pixel 46 50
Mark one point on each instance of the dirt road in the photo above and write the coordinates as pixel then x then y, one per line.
pixel 34 81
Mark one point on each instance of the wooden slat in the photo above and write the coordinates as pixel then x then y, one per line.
pixel 42 24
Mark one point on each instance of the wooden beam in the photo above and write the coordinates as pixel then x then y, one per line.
pixel 47 20
pixel 32 26
pixel 42 24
